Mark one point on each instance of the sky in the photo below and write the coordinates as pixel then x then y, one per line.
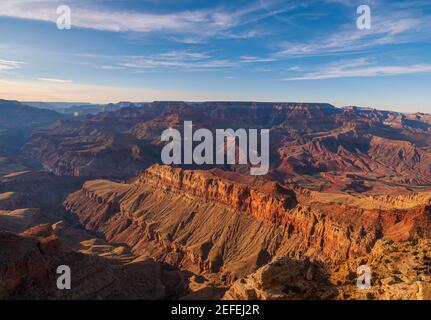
pixel 254 50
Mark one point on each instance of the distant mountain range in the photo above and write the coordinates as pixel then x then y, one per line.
pixel 80 108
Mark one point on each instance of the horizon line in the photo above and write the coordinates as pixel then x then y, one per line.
pixel 220 101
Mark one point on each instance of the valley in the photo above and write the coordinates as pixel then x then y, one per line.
pixel 345 187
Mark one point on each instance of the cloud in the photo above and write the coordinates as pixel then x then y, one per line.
pixel 243 35
pixel 112 68
pixel 171 59
pixel 183 55
pixel 10 64
pixel 202 23
pixel 53 80
pixel 147 63
pixel 189 40
pixel 361 68
pixel 184 60
pixel 294 68
pixel 253 59
pixel 395 28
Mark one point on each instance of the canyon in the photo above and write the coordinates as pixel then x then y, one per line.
pixel 346 187
pixel 317 146
pixel 224 230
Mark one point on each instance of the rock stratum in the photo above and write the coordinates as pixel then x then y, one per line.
pixel 224 230
pixel 317 146
pixel 346 187
pixel 37 236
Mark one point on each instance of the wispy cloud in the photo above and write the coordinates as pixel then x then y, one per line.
pixel 393 29
pixel 184 60
pixel 243 35
pixel 157 62
pixel 53 80
pixel 217 22
pixel 253 59
pixel 361 68
pixel 10 64
pixel 112 67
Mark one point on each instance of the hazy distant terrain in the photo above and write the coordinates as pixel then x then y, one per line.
pixel 80 108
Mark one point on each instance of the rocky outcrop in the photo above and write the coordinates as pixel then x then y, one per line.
pixel 284 279
pixel 212 225
pixel 398 271
pixel 28 269
pixel 29 262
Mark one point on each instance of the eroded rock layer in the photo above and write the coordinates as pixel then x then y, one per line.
pixel 217 226
pixel 318 146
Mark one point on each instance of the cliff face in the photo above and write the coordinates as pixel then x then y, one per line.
pixel 208 224
pixel 267 202
pixel 189 219
pixel 318 146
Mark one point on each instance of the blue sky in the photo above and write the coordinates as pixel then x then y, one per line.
pixel 264 50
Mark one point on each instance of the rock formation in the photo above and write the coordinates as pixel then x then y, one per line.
pixel 225 230
pixel 346 187
pixel 29 262
pixel 317 146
